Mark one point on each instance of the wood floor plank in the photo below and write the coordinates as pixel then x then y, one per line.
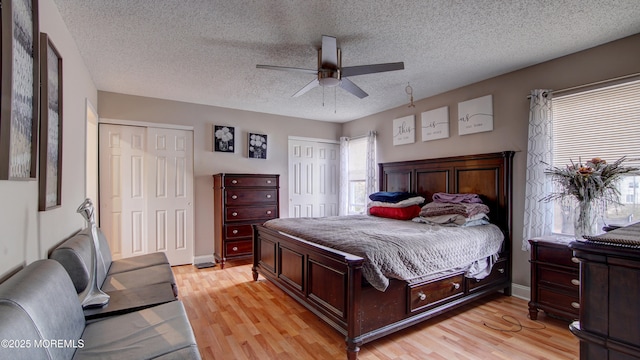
pixel 234 317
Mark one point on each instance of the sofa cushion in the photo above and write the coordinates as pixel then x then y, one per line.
pixel 75 256
pixel 156 274
pixel 138 262
pixel 162 331
pixel 40 303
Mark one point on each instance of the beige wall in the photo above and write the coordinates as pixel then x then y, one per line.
pixel 207 162
pixel 26 234
pixel 511 112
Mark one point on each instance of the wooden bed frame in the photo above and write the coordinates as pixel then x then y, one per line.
pixel 329 283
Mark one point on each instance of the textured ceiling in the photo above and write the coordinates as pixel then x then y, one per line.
pixel 206 52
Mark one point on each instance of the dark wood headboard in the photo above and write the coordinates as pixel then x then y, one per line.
pixel 488 175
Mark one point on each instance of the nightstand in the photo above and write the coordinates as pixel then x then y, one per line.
pixel 555 279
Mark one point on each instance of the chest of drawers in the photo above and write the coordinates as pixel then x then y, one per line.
pixel 240 201
pixel 555 284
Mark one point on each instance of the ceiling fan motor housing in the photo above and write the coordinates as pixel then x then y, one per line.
pixel 329 78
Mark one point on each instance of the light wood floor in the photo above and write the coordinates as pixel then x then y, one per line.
pixel 234 317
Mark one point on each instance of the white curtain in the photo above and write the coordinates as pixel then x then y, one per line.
pixel 538 215
pixel 371 180
pixel 343 203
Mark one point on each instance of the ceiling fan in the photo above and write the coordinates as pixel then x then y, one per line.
pixel 330 72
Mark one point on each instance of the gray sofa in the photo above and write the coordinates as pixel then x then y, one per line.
pixel 41 318
pixel 75 256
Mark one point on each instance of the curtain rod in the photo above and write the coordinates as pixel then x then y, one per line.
pixel 360 136
pixel 577 87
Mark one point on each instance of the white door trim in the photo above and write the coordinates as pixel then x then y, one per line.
pixel 301 138
pixel 145 124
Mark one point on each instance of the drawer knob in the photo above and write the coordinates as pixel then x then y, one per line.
pixel 234 181
pixel 456 286
pixel 235 248
pixel 268 196
pixel 268 212
pixel 235 232
pixel 575 282
pixel 501 270
pixel 234 214
pixel 575 260
pixel 422 296
pixel 234 197
pixel 575 305
pixel 268 181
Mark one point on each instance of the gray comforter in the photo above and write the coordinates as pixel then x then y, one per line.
pixel 398 249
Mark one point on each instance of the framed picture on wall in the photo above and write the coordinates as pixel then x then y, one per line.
pixel 20 88
pixel 50 174
pixel 475 115
pixel 404 130
pixel 257 146
pixel 435 124
pixel 224 138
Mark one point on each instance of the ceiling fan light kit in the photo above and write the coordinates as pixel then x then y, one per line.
pixel 330 72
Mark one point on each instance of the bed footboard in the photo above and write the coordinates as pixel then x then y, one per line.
pixel 324 280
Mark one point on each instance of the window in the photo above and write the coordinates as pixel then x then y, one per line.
pixel 357 200
pixel 599 123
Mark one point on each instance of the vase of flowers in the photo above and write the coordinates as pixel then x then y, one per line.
pixel 592 185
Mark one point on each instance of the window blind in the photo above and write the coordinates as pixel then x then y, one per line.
pixel 602 123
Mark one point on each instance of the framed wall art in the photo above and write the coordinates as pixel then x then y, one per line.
pixel 20 89
pixel 223 138
pixel 50 174
pixel 435 124
pixel 404 130
pixel 475 115
pixel 257 146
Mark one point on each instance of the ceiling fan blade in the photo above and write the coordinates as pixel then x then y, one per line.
pixel 370 69
pixel 329 52
pixel 307 87
pixel 285 68
pixel 352 88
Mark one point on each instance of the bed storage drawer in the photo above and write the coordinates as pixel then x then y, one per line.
pixel 498 274
pixel 430 294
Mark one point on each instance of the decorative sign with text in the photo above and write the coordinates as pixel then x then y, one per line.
pixel 475 115
pixel 404 130
pixel 435 124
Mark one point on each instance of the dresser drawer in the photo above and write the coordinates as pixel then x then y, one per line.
pixel 254 181
pixel 559 300
pixel 251 213
pixel 558 256
pixel 552 277
pixel 429 294
pixel 237 231
pixel 238 248
pixel 498 274
pixel 250 196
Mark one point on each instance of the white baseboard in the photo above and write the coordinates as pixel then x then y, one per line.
pixel 202 259
pixel 521 291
